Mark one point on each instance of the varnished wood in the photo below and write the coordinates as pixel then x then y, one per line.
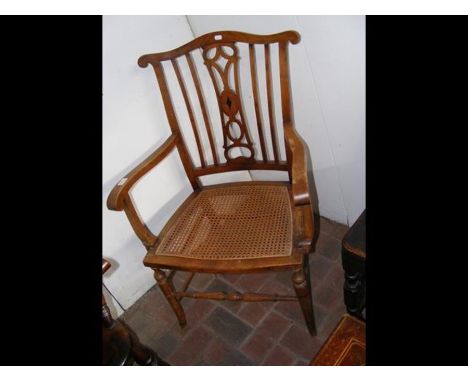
pixel 168 292
pixel 258 115
pixel 300 179
pixel 201 99
pixel 139 227
pixel 225 167
pixel 346 346
pixel 227 37
pixel 285 100
pixel 302 286
pixel 235 296
pixel 284 83
pixel 105 266
pixel 193 122
pixel 230 105
pixel 229 102
pixel 353 255
pixel 271 115
pixel 115 200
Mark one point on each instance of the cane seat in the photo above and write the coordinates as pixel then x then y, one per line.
pixel 244 221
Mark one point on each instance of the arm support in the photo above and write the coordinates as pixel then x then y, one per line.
pixel 298 165
pixel 303 209
pixel 120 199
pixel 116 198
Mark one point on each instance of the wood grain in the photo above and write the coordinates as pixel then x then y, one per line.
pixel 218 47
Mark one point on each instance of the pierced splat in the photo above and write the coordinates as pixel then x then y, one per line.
pixel 228 100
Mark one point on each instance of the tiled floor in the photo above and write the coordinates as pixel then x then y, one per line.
pixel 242 333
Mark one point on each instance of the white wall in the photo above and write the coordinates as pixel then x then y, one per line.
pixel 327 74
pixel 134 124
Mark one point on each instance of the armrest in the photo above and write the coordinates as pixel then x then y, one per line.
pixel 119 193
pixel 105 266
pixel 303 208
pixel 298 159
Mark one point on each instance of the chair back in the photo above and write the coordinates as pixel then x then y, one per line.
pixel 257 144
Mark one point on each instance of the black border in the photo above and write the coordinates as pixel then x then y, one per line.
pixel 52 171
pixel 416 79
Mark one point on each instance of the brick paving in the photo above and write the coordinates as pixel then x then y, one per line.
pixel 241 333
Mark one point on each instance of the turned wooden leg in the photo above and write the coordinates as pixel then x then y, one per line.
pixel 355 294
pixel 355 283
pixel 301 281
pixel 168 291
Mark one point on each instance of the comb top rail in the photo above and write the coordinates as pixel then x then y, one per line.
pixel 219 37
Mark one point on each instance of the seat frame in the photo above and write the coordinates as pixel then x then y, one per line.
pixel 296 165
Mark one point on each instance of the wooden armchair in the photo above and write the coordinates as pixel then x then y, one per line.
pixel 241 227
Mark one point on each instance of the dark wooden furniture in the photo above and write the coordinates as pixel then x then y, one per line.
pixel 346 346
pixel 354 265
pixel 121 346
pixel 237 227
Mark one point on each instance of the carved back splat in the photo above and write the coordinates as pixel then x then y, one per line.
pixel 229 103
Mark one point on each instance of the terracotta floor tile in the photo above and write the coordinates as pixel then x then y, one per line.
pixel 291 310
pixel 319 265
pixel 253 312
pixel 227 326
pixel 257 347
pixel 273 326
pixel 252 282
pixel 329 247
pixel 300 342
pixel 339 231
pixel 335 277
pixel 198 310
pixel 328 297
pixel 200 281
pixel 285 277
pixel 165 345
pixel 279 357
pixel 275 286
pixel 231 277
pixel 188 352
pixel 220 353
pixel 326 226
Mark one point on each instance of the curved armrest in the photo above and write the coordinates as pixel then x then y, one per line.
pixel 300 181
pixel 105 265
pixel 119 193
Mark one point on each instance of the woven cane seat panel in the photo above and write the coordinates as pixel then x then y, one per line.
pixel 232 223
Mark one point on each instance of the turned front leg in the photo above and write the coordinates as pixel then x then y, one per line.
pixel 168 292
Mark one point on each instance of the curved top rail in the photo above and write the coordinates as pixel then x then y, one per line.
pixel 218 37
